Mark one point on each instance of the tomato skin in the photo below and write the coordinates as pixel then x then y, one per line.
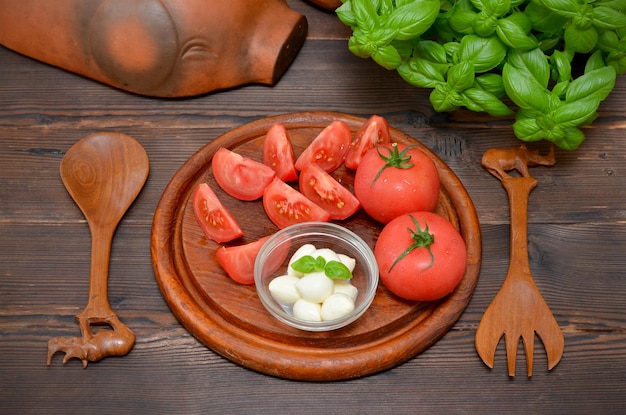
pixel 286 206
pixel 396 191
pixel 328 148
pixel 326 192
pixel 416 276
pixel 239 176
pixel 238 260
pixel 216 221
pixel 278 153
pixel 373 132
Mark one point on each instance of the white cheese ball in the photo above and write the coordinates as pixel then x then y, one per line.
pixel 306 310
pixel 345 287
pixel 336 306
pixel 315 287
pixel 326 253
pixel 304 250
pixel 283 289
pixel 347 261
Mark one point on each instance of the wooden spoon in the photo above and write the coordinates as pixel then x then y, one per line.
pixel 103 173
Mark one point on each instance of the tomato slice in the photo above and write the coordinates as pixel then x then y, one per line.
pixel 286 206
pixel 216 221
pixel 278 153
pixel 238 261
pixel 239 176
pixel 374 131
pixel 326 192
pixel 328 148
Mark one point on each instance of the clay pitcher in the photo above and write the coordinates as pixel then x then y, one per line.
pixel 163 48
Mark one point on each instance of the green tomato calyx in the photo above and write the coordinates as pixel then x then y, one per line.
pixel 394 158
pixel 332 269
pixel 421 239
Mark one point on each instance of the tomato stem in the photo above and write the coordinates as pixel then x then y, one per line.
pixel 421 239
pixel 396 158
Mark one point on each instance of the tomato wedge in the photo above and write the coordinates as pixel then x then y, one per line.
pixel 328 148
pixel 216 221
pixel 238 261
pixel 239 176
pixel 326 192
pixel 278 153
pixel 374 131
pixel 286 206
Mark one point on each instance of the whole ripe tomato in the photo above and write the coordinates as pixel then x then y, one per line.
pixel 375 131
pixel 278 153
pixel 326 192
pixel 421 256
pixel 239 176
pixel 286 206
pixel 216 221
pixel 328 148
pixel 395 179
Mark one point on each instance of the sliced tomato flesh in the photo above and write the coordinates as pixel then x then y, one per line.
pixel 328 148
pixel 238 260
pixel 375 131
pixel 326 192
pixel 239 176
pixel 286 206
pixel 278 153
pixel 217 223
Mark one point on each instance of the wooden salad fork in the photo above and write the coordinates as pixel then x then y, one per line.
pixel 518 310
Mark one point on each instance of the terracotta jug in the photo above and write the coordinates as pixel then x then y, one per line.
pixel 163 48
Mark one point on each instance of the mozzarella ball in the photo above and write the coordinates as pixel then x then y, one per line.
pixel 345 287
pixel 283 289
pixel 306 249
pixel 306 310
pixel 337 306
pixel 315 287
pixel 326 253
pixel 347 261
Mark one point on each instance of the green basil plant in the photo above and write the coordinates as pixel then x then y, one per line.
pixel 502 57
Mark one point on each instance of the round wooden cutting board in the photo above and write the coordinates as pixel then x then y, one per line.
pixel 229 318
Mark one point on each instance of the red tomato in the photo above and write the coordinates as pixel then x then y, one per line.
pixel 238 261
pixel 394 179
pixel 278 153
pixel 286 206
pixel 328 148
pixel 215 220
pixel 326 192
pixel 375 131
pixel 420 256
pixel 241 177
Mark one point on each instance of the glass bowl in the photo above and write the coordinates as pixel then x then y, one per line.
pixel 273 259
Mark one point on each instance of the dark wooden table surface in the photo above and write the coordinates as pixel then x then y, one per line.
pixel 577 237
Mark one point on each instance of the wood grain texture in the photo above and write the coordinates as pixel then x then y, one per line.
pixel 577 240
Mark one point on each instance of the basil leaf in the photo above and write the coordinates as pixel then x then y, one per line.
pixel 492 83
pixel 576 113
pixel 462 21
pixel 527 129
pixel 513 35
pixel 387 57
pixel 561 66
pixel 487 102
pixel 543 19
pixel 421 73
pixel 337 270
pixel 345 14
pixel 494 8
pixel 567 8
pixel 484 25
pixel 413 19
pixel 581 40
pixel 365 14
pixel 597 83
pixel 461 76
pixel 534 62
pixel 524 90
pixel 307 264
pixel 484 53
pixel 608 18
pixel 431 51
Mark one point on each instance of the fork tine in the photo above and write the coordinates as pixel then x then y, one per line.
pixel 529 349
pixel 512 343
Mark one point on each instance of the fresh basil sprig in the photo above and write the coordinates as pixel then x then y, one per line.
pixel 332 269
pixel 502 57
